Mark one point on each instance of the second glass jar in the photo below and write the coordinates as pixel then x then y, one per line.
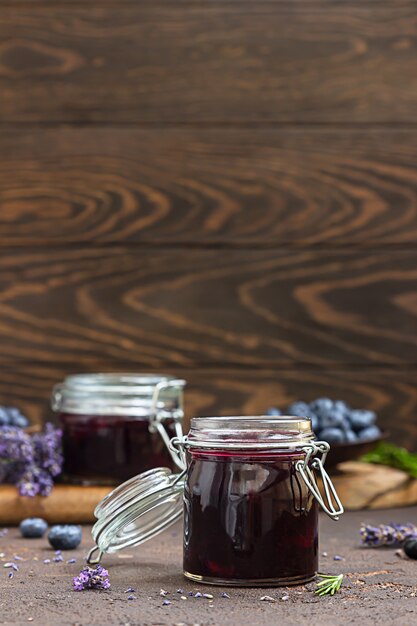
pixel 108 424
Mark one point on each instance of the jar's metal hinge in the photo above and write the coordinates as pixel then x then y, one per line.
pixel 157 422
pixel 331 503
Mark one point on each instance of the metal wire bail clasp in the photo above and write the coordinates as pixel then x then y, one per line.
pixel 158 417
pixel 332 504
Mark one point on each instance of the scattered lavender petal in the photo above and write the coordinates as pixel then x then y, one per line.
pixel 46 561
pixel 225 595
pixel 267 599
pixel 163 593
pixel 207 595
pixel 180 590
pixel 183 597
pixel 10 574
pixel 166 602
pixel 131 597
pixel 58 559
pixel 337 557
pixel 130 590
pixel 17 557
pixel 198 595
pixel 285 597
pixel 190 593
pixel 72 561
pixel 58 552
pixel 324 554
pixel 8 565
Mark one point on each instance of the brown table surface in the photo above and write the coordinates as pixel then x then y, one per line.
pixel 379 587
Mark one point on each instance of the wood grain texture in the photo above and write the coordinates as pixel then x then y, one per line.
pixel 209 62
pixel 196 186
pixel 198 307
pixel 391 392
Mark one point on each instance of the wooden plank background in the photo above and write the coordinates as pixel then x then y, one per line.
pixel 221 190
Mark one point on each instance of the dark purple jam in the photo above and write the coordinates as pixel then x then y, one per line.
pixel 109 450
pixel 249 520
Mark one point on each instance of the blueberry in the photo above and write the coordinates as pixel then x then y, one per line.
pixel 16 418
pixel 332 435
pixel 372 432
pixel 350 435
pixel 299 409
pixel 273 411
pixel 341 406
pixel 65 537
pixel 4 417
pixel 333 418
pixel 321 406
pixel 32 527
pixel 410 547
pixel 361 419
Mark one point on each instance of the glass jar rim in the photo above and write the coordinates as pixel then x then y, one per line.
pixel 249 431
pixel 124 394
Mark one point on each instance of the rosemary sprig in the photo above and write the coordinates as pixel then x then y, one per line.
pixel 389 454
pixel 329 584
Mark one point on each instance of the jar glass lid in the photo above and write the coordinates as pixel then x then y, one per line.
pixel 246 432
pixel 118 394
pixel 137 510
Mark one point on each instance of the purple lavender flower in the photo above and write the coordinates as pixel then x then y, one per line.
pixel 47 449
pixel 91 578
pixel 386 534
pixel 30 462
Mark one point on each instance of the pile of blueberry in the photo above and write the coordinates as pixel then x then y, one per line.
pixel 334 421
pixel 11 416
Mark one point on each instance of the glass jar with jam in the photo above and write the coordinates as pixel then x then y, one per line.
pixel 249 497
pixel 110 424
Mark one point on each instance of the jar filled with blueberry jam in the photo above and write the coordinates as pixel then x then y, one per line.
pixel 111 424
pixel 249 497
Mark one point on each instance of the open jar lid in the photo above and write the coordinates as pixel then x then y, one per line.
pixel 118 394
pixel 137 510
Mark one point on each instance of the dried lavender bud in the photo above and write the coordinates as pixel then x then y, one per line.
pixel 386 535
pixel 91 578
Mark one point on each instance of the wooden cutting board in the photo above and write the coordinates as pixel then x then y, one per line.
pixel 368 486
pixel 67 504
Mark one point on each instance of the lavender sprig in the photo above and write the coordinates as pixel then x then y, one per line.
pixel 30 462
pixel 386 534
pixel 91 578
